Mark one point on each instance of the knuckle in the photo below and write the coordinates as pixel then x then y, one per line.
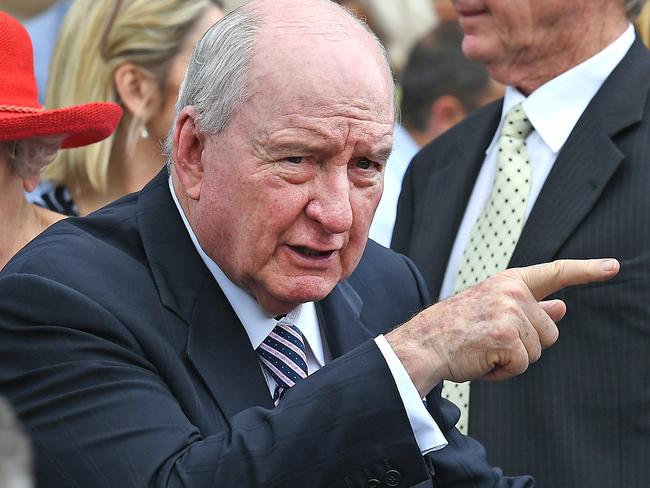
pixel 517 291
pixel 506 332
pixel 510 307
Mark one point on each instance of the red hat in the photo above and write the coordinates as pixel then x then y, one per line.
pixel 21 116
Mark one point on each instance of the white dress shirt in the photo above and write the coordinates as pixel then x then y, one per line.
pixel 553 109
pixel 404 148
pixel 258 325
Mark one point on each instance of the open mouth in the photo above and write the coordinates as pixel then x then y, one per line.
pixel 311 253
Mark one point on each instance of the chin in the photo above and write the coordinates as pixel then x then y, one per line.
pixel 478 48
pixel 304 289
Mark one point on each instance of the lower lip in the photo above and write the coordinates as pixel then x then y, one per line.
pixel 322 261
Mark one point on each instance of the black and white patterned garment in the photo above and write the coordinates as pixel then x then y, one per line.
pixel 53 197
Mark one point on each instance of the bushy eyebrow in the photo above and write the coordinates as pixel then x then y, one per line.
pixel 297 146
pixel 384 153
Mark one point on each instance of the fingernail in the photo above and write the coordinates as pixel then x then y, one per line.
pixel 608 265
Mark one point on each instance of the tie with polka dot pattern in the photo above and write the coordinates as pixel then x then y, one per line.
pixel 496 230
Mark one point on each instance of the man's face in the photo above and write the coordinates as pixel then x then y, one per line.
pixel 291 186
pixel 511 35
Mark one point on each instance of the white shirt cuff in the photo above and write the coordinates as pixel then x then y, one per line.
pixel 427 433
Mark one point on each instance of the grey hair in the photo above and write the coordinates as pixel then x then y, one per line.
pixel 217 82
pixel 15 451
pixel 27 157
pixel 633 8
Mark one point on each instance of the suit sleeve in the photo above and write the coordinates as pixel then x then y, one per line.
pixel 463 461
pixel 101 415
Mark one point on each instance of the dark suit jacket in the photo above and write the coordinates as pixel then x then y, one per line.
pixel 580 417
pixel 129 368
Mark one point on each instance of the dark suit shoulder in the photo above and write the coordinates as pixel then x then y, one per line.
pixel 96 259
pixel 390 286
pixel 110 232
pixel 476 129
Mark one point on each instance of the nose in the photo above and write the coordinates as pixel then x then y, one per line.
pixel 330 203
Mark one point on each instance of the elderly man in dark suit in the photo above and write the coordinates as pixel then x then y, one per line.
pixel 224 327
pixel 557 169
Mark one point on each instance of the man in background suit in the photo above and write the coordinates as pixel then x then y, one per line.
pixel 575 69
pixel 440 87
pixel 166 339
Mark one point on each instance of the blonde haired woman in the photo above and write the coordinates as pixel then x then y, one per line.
pixel 134 53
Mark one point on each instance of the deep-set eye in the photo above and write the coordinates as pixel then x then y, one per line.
pixel 365 163
pixel 295 159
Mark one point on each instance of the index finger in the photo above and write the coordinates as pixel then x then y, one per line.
pixel 544 279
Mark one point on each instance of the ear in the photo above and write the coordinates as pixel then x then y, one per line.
pixel 137 89
pixel 445 112
pixel 189 143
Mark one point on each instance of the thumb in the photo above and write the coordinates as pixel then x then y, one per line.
pixel 544 279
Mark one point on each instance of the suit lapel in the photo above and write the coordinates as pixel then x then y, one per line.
pixel 217 344
pixel 449 188
pixel 221 352
pixel 340 317
pixel 587 161
pixel 584 166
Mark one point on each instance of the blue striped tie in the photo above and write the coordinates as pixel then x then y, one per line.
pixel 283 355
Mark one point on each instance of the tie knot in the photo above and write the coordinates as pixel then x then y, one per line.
pixel 516 124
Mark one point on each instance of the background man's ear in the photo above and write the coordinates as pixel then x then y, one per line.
pixel 137 89
pixel 189 143
pixel 446 112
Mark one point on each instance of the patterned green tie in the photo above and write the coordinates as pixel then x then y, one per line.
pixel 497 229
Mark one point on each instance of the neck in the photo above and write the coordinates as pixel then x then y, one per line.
pixel 129 170
pixel 529 74
pixel 420 137
pixel 19 220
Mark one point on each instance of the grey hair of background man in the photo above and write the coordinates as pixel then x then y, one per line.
pixel 216 82
pixel 15 451
pixel 633 7
pixel 28 156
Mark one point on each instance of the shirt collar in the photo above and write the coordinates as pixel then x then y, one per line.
pixel 256 322
pixel 555 107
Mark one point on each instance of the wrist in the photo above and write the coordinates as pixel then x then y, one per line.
pixel 423 367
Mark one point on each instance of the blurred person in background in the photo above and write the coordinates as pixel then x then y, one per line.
pixel 134 53
pixel 42 19
pixel 445 11
pixel 440 87
pixel 642 24
pixel 16 470
pixel 43 28
pixel 398 24
pixel 557 169
pixel 30 136
pixel 23 10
